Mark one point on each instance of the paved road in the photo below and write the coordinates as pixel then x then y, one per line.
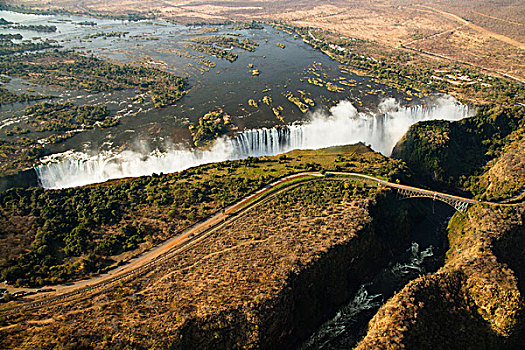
pixel 198 232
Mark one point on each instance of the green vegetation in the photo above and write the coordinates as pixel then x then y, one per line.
pixel 17 36
pixel 333 87
pixel 7 97
pixel 316 82
pixel 75 71
pixel 18 154
pixel 4 22
pixel 457 153
pixel 66 116
pixel 297 101
pixel 76 232
pixel 226 42
pixel 87 23
pixel 251 25
pixel 208 63
pixel 267 100
pixel 62 120
pixel 210 126
pixel 35 27
pixel 8 47
pixel 214 51
pixel 105 35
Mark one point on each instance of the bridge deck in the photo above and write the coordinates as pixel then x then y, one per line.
pixel 459 203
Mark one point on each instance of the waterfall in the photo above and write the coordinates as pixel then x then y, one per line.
pixel 341 126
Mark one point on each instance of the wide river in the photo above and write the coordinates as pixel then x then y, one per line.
pixel 150 140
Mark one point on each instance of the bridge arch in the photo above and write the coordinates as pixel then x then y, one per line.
pixel 457 204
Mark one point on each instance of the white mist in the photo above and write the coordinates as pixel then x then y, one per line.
pixel 341 126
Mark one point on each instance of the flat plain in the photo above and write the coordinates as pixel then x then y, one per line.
pixel 482 33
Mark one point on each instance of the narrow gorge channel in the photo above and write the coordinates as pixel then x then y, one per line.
pixel 425 254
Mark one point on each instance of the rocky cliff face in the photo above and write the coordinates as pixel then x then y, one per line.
pixel 266 280
pixel 482 154
pixel 475 301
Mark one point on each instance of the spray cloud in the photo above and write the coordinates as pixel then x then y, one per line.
pixel 342 125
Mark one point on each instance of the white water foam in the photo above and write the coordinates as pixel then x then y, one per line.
pixel 341 126
pixel 346 317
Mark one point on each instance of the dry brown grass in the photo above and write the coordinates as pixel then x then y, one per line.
pixel 229 280
pixel 484 33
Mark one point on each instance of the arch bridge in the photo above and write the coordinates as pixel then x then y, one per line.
pixel 459 203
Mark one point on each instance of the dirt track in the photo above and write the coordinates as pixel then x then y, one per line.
pixel 197 233
pixel 477 28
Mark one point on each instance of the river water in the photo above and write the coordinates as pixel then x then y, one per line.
pixel 425 254
pixel 152 140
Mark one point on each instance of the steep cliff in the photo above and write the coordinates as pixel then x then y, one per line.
pixel 456 154
pixel 476 301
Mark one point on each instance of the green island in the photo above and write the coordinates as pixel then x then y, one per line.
pixel 34 27
pixel 214 51
pixel 66 116
pixel 87 23
pixel 267 100
pixel 277 112
pixel 333 87
pixel 303 106
pixel 17 36
pixel 210 127
pixel 7 97
pixel 226 42
pixel 105 35
pixel 251 25
pixel 8 47
pixel 208 63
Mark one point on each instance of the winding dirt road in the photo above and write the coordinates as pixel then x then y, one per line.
pixel 196 233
